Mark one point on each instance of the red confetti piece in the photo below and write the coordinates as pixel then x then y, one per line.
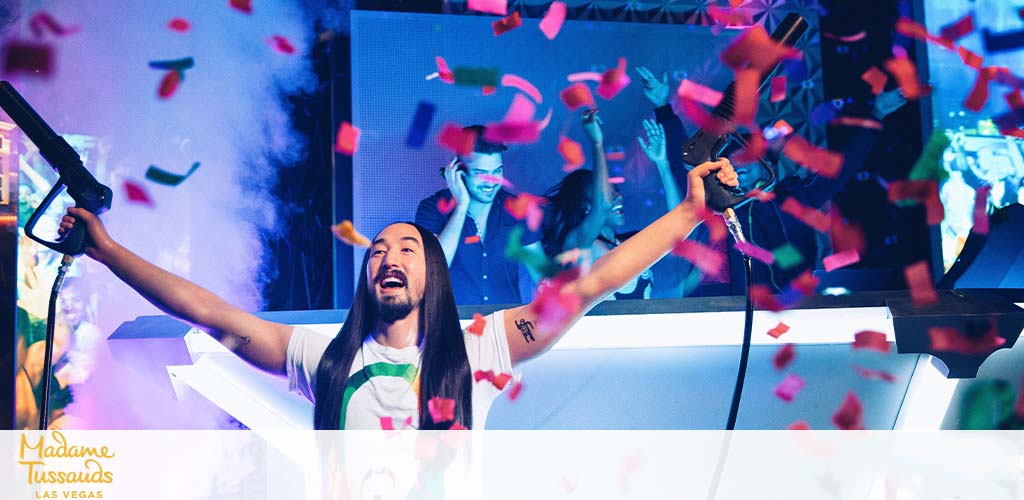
pixel 783 128
pixel 799 425
pixel 707 259
pixel 518 82
pixel 479 322
pixel 755 49
pixel 753 151
pixel 841 259
pixel 787 389
pixel 762 196
pixel 856 37
pixel 281 44
pixel 778 88
pixel 572 152
pixel 347 141
pixel 850 415
pixel 874 341
pixel 876 79
pixel 553 20
pixel 506 24
pixel 778 330
pixel 958 29
pixel 488 90
pixel 764 299
pixel 914 29
pixel 805 283
pixel 921 191
pixel 979 93
pixel 388 423
pixel 699 93
pixel 755 252
pixel 970 58
pixel 513 132
pixel 1014 99
pixel 615 154
pixel 846 235
pixel 458 140
pixel 701 118
pixel 242 5
pixel 472 239
pixel 446 205
pixel 441 409
pixel 577 96
pixel 180 25
pixel 527 206
pixel 949 339
pixel 499 7
pixel 981 210
pixel 458 427
pixel 853 121
pixel 730 17
pixel 553 306
pixel 818 160
pixel 444 73
pixel 28 57
pixel 43 21
pixel 716 225
pixel 513 393
pixel 613 81
pixel 816 219
pixel 616 180
pixel 137 194
pixel 919 279
pixel 784 356
pixel 169 84
pixel 906 75
pixel 499 381
pixel 1018 409
pixel 870 374
pixel 746 83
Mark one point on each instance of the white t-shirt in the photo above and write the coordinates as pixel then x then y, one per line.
pixel 384 380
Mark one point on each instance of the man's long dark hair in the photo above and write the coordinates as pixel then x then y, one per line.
pixel 444 365
pixel 567 202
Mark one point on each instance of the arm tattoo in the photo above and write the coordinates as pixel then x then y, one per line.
pixel 526 328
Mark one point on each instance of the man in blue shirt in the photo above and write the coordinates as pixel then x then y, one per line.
pixel 475 232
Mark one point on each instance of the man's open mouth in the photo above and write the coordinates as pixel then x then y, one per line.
pixel 392 279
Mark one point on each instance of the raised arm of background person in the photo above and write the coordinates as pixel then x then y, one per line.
pixel 451 235
pixel 583 236
pixel 657 91
pixel 262 343
pixel 617 267
pixel 654 148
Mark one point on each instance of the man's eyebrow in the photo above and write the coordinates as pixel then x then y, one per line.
pixel 403 238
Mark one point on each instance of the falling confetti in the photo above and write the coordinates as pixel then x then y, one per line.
pixel 441 409
pixel 347 141
pixel 778 330
pixel 873 341
pixel 479 322
pixel 552 22
pixel 161 176
pixel 347 233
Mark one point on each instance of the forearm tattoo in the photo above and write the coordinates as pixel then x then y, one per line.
pixel 526 328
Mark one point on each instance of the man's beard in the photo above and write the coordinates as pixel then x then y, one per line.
pixel 393 308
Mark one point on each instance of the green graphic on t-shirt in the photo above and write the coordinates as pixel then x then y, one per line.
pixel 406 371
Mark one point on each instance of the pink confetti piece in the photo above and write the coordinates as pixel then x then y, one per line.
pixel 850 415
pixel 778 330
pixel 513 132
pixel 441 409
pixel 716 225
pixel 44 21
pixel 347 141
pixel 764 299
pixel 569 485
pixel 387 424
pixel 137 194
pixel 778 92
pixel 613 81
pixel 506 24
pixel 841 259
pixel 784 356
pixel 518 82
pixel 169 84
pixel 746 83
pixel 241 5
pixel 753 151
pixel 958 29
pixel 1018 409
pixel 913 29
pixel 872 341
pixel 706 258
pixel 458 140
pixel 755 252
pixel 514 392
pixel 584 76
pixel 472 239
pixel 853 121
pixel 856 37
pixel 756 49
pixel 921 191
pixel 527 206
pixel 821 161
pixel 949 339
pixel 499 7
pixel 616 180
pixel 553 306
pixel 876 79
pixel 572 153
pixel 816 219
pixel 615 153
pixel 493 179
pixel 789 387
pixel 553 20
pixel 805 283
pixel 180 25
pixel 479 322
pixel 799 425
pixel 444 73
pixel 521 110
pixel 698 116
pixel 577 96
pixel 870 374
pixel 981 210
pixel 281 44
pixel 730 17
pixel 446 205
pixel 906 75
pixel 919 279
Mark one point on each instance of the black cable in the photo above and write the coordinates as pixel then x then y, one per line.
pixel 748 326
pixel 51 316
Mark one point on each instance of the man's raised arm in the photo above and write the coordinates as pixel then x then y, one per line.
pixel 617 267
pixel 262 343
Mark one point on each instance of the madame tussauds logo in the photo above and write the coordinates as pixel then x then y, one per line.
pixel 58 449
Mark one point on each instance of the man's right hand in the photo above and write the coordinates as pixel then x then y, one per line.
pixel 656 91
pixel 457 183
pixel 100 241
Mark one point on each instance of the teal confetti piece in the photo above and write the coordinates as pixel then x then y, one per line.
pixel 929 165
pixel 179 65
pixel 161 176
pixel 476 77
pixel 787 256
pixel 536 261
